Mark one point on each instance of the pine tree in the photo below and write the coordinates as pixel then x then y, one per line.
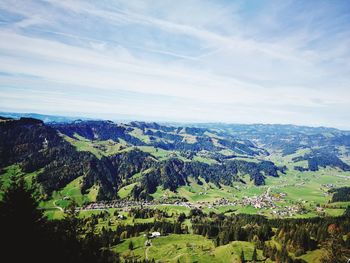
pixel 255 255
pixel 242 257
pixel 131 245
pixel 217 241
pixel 29 237
pixel 21 223
pixel 71 220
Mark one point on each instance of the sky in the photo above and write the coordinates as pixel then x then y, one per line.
pixel 250 61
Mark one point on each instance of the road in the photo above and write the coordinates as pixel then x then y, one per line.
pixel 58 207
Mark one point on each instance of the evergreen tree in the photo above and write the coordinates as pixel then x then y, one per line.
pixel 181 217
pixel 27 236
pixel 242 257
pixel 255 255
pixel 217 242
pixel 131 245
pixel 21 223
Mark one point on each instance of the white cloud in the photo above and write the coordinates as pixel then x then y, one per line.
pixel 206 63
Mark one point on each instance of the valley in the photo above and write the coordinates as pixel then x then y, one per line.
pixel 187 183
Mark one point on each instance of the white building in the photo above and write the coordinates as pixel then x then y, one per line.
pixel 155 234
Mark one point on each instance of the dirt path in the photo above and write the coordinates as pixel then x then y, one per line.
pixel 146 252
pixel 58 207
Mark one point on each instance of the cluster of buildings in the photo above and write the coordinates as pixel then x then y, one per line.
pixel 114 204
pixel 125 204
pixel 289 211
pixel 222 202
pixel 329 186
pixel 266 200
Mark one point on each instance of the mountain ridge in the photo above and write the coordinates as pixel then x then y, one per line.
pixel 63 118
pixel 107 155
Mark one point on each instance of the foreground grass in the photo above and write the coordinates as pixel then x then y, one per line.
pixel 313 256
pixel 184 248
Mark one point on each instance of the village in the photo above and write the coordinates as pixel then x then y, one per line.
pixel 266 200
pixel 264 203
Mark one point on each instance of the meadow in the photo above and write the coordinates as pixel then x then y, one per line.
pixel 184 248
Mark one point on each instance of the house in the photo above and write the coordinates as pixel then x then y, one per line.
pixel 121 217
pixel 154 234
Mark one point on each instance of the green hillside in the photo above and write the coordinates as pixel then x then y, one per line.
pixel 213 194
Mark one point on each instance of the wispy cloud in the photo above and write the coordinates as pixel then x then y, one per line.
pixel 196 60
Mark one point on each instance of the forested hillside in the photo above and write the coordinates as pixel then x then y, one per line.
pixel 54 149
pixel 216 192
pixel 106 156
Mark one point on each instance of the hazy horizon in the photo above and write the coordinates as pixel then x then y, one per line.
pixel 129 119
pixel 184 61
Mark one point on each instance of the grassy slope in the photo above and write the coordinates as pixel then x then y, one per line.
pixel 61 199
pixel 98 148
pixel 125 191
pixel 306 189
pixel 174 248
pixel 185 248
pixel 313 256
pixel 136 132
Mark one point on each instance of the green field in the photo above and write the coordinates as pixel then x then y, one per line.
pixel 184 248
pixel 71 192
pixel 98 148
pixel 305 189
pixel 308 189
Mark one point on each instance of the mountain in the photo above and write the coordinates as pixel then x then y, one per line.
pixel 324 146
pixel 44 117
pixel 108 157
pixel 218 187
pixel 52 148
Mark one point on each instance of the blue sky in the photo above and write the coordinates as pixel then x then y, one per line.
pixel 185 60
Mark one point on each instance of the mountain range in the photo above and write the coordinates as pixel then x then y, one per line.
pixel 108 156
